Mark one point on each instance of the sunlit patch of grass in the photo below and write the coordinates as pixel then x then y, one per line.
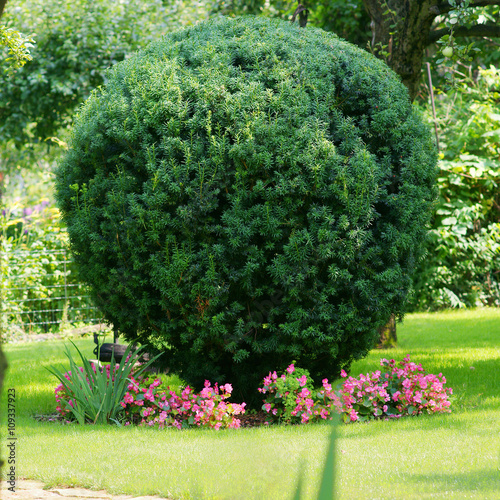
pixel 431 456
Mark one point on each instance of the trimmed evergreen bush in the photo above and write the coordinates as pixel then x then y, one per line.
pixel 244 193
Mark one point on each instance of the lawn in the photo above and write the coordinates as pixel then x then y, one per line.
pixel 441 456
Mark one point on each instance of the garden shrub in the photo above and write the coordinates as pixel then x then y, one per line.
pixel 245 192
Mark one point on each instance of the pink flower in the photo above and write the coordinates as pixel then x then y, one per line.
pixel 128 398
pixel 290 369
pixel 326 385
pixel 206 392
pixel 304 392
pixel 302 381
pixel 343 374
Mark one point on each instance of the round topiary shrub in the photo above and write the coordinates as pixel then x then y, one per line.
pixel 244 193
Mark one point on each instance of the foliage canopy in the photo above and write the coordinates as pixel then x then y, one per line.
pixel 77 41
pixel 245 192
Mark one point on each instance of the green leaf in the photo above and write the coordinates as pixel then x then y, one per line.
pixel 449 221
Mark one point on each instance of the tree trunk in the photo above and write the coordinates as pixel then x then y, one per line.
pixel 2 6
pixel 387 335
pixel 401 31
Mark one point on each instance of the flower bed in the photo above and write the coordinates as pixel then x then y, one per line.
pixel 146 404
pixel 397 390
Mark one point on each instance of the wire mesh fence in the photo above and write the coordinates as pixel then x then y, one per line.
pixel 40 293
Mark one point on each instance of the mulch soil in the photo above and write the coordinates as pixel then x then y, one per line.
pixel 246 420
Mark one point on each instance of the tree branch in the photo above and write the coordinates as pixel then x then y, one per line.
pixel 303 13
pixel 480 30
pixel 2 6
pixel 445 7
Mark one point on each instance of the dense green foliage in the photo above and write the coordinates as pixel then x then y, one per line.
pixel 240 195
pixel 463 263
pixel 77 41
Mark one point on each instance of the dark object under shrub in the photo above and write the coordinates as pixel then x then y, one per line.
pixel 245 193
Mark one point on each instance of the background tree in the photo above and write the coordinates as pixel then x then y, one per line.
pixel 398 31
pixel 403 29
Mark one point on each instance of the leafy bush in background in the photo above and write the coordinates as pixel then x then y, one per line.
pixel 245 192
pixel 348 20
pixel 76 41
pixel 462 267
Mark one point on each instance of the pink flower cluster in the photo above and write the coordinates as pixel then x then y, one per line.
pixel 145 403
pixel 397 390
pixel 413 391
pixel 288 396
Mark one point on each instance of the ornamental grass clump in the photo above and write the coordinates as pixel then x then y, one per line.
pixel 244 192
pixel 91 393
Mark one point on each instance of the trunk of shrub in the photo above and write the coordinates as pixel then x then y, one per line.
pixel 387 335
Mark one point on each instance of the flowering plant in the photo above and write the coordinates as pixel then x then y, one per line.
pixel 143 401
pixel 146 404
pixel 284 392
pixel 93 394
pixel 397 390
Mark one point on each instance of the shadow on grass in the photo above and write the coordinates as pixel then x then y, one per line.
pixel 483 481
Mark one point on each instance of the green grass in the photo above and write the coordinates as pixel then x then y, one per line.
pixel 442 456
